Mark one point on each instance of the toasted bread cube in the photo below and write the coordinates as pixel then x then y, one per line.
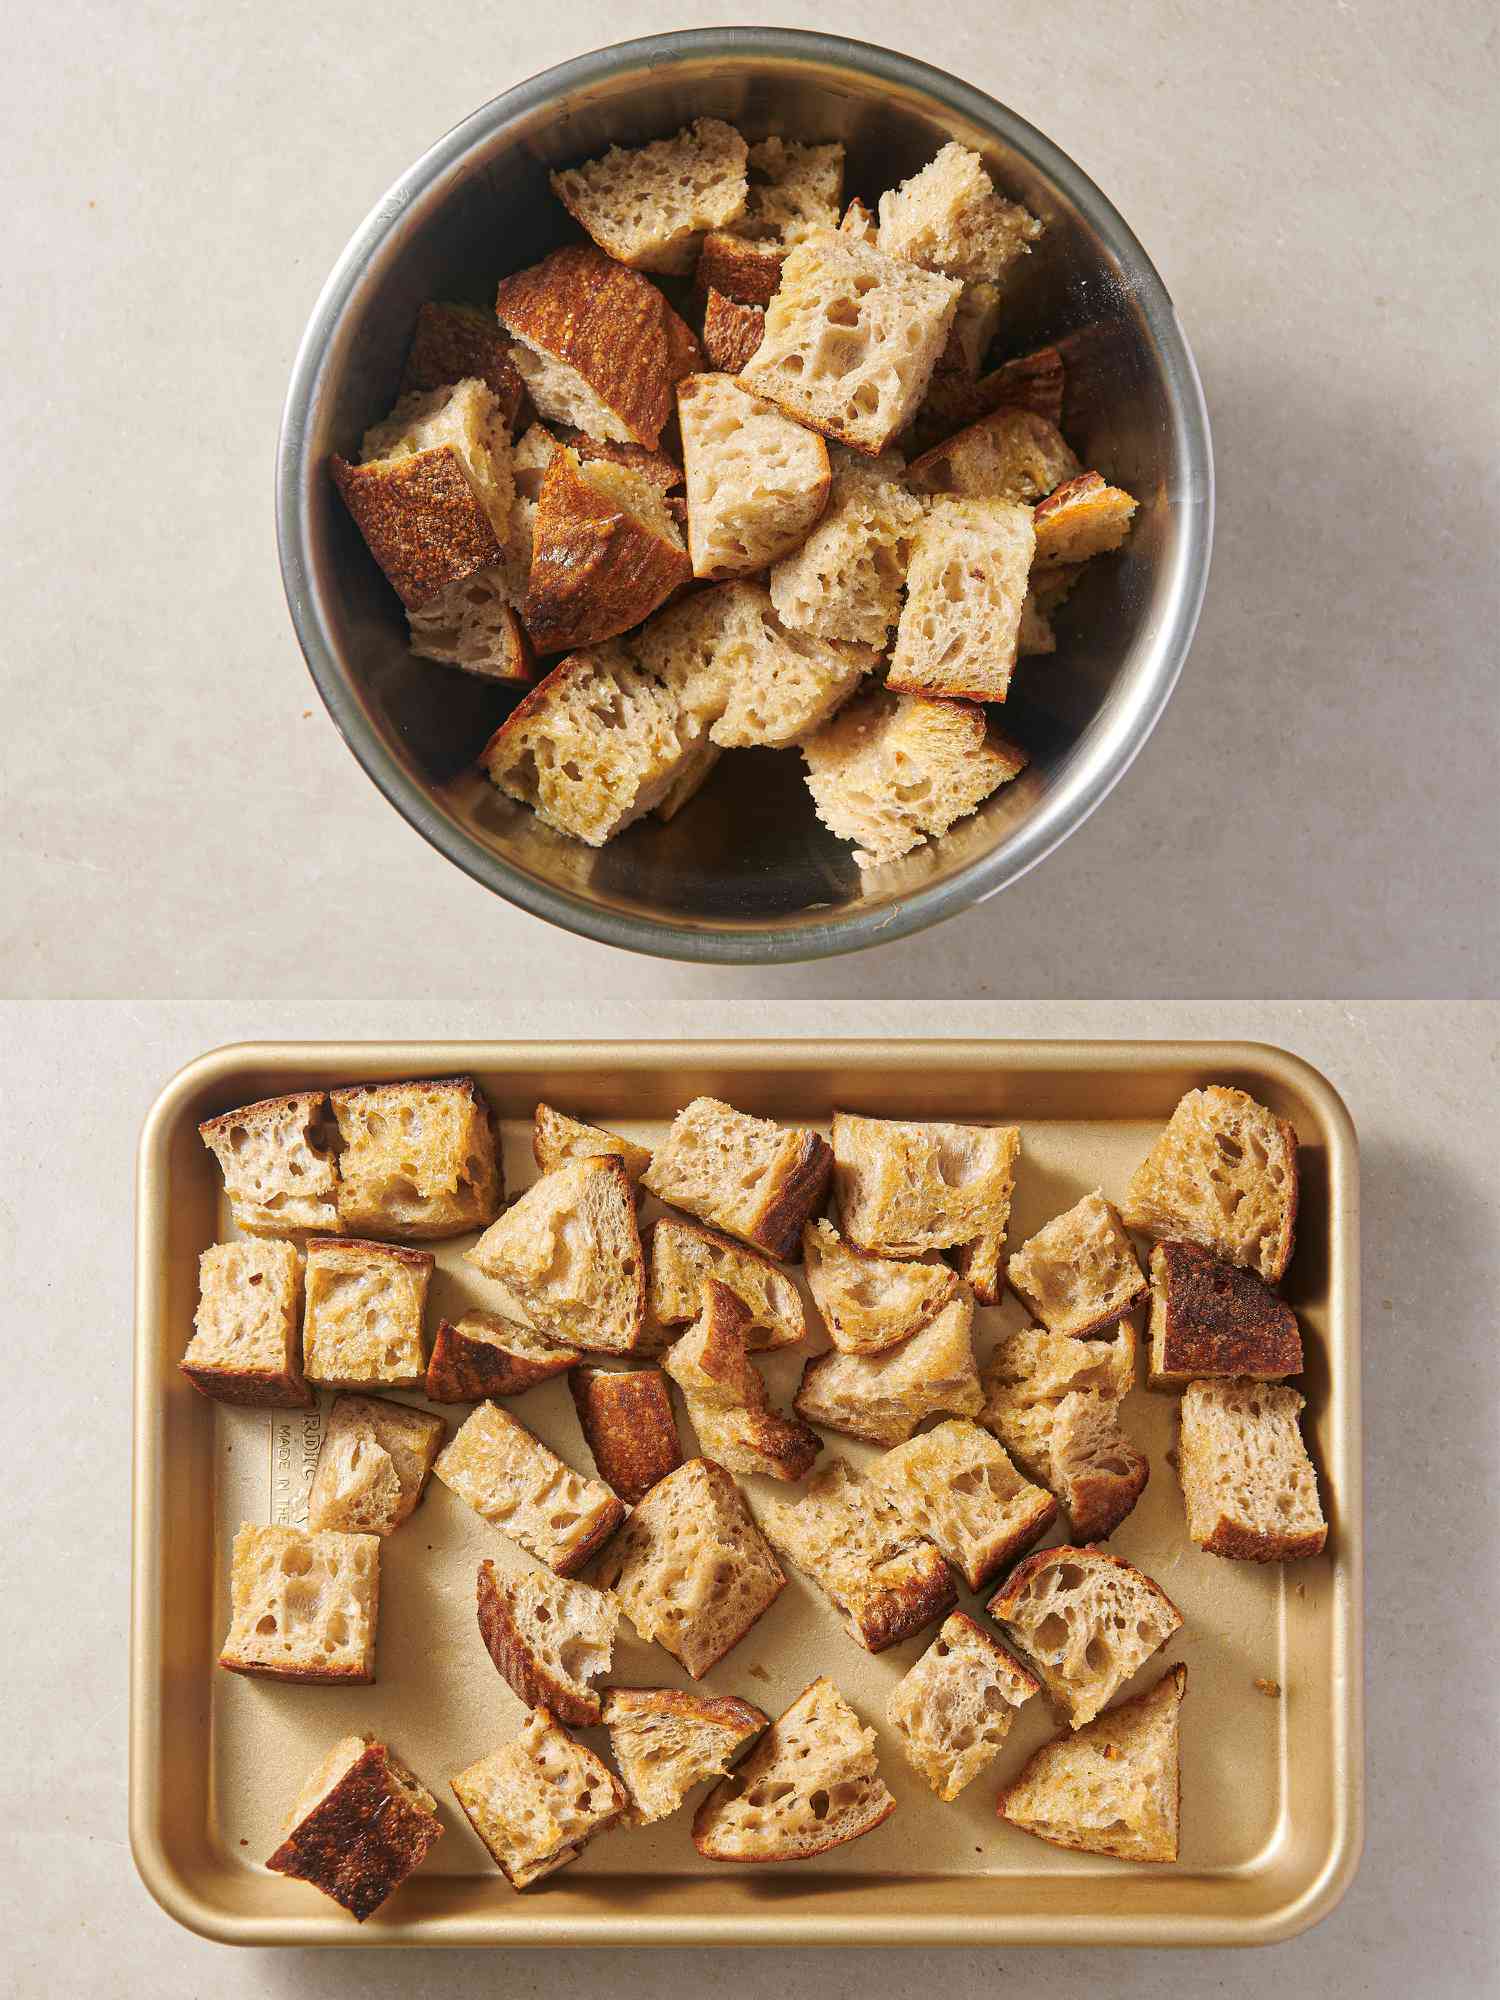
pixel 482 1354
pixel 744 676
pixel 683 1254
pixel 1224 1174
pixel 597 345
pixel 570 1251
pixel 731 332
pixel 279 1170
pixel 883 1579
pixel 359 1826
pixel 537 1801
pixel 374 1466
pixel 726 1399
pixel 1053 1402
pixel 471 624
pixel 1011 454
pixel 965 586
pixel 955 1485
pixel 1081 519
pixel 894 771
pixel 1079 1274
pixel 690 1566
pixel 595 746
pixel 953 1708
pixel 851 338
pixel 246 1345
pixel 739 270
pixel 548 1637
pixel 1210 1318
pixel 949 218
pixel 883 1397
pixel 432 492
pixel 845 581
pixel 649 206
pixel 1086 1621
pixel 904 1187
pixel 362 1326
pixel 458 343
pixel 514 1482
pixel 744 1175
pixel 418 1160
pixel 303 1606
pixel 556 1138
pixel 1113 1788
pixel 605 551
pixel 1250 1487
pixel 626 1418
pixel 666 1740
pixel 868 1302
pixel 794 191
pixel 810 1784
pixel 1035 381
pixel 756 481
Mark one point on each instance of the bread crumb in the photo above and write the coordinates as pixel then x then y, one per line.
pixel 760 1673
pixel 1111 1750
pixel 1271 1688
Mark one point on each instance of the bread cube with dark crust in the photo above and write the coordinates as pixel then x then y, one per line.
pixel 626 1416
pixel 359 1827
pixel 548 1637
pixel 452 343
pixel 1210 1318
pixel 726 1398
pixel 731 332
pixel 482 1354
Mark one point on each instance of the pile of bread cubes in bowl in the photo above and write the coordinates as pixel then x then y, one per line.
pixel 651 1277
pixel 751 474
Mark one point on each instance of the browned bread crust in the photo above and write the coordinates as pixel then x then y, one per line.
pixel 361 1841
pixel 731 332
pixel 1242 1544
pixel 658 466
pixel 263 1388
pixel 626 1416
pixel 596 568
pixel 1005 1599
pixel 466 1370
pixel 610 325
pixel 741 270
pixel 421 519
pixel 799 1190
pixel 452 343
pixel 1213 1318
pixel 1083 517
pixel 516 1663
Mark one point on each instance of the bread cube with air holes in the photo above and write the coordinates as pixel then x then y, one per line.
pixel 483 1354
pixel 666 1740
pixel 362 1327
pixel 949 218
pixel 418 1160
pixel 904 1187
pixel 303 1605
pixel 279 1169
pixel 548 1637
pixel 845 581
pixel 955 1485
pixel 965 586
pixel 537 1801
pixel 514 1482
pixel 953 1708
pixel 374 1466
pixel 360 1825
pixel 1080 1274
pixel 756 480
pixel 1250 1487
pixel 745 1175
pixel 683 1255
pixel 247 1345
pixel 883 1397
pixel 570 1251
pixel 649 205
pixel 1086 1621
pixel 1223 1173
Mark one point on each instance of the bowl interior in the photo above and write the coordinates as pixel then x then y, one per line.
pixel 746 870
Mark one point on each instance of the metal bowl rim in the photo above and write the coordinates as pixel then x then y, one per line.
pixel 1095 772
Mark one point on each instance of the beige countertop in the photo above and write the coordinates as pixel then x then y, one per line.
pixel 1316 811
pixel 1421 1082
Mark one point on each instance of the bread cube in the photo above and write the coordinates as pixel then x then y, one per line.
pixel 374 1466
pixel 627 1422
pixel 458 343
pixel 514 1482
pixel 484 1354
pixel 666 1740
pixel 845 581
pixel 1223 1174
pixel 949 218
pixel 537 1801
pixel 1211 1318
pixel 851 339
pixel 1250 1487
pixel 1035 381
pixel 1086 1621
pixel 1053 1402
pixel 649 206
pixel 965 586
pixel 868 1302
pixel 894 771
pixel 885 1581
pixel 471 624
pixel 598 346
pixel 1113 1788
pixel 279 1170
pixel 360 1825
pixel 303 1605
pixel 726 1399
pixel 690 1566
pixel 731 332
pixel 904 1187
pixel 548 1638
pixel 1079 1274
pixel 1012 454
pixel 883 1397
pixel 739 270
pixel 433 489
pixel 419 1159
pixel 756 481
pixel 246 1345
pixel 955 1485
pixel 557 1138
pixel 595 746
pixel 683 1255
pixel 362 1327
pixel 570 1251
pixel 605 551
pixel 794 191
pixel 1081 519
pixel 953 1708
pixel 744 1175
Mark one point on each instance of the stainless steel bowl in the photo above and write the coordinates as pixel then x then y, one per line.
pixel 746 875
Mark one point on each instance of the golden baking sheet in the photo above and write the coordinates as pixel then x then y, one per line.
pixel 1271 1785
